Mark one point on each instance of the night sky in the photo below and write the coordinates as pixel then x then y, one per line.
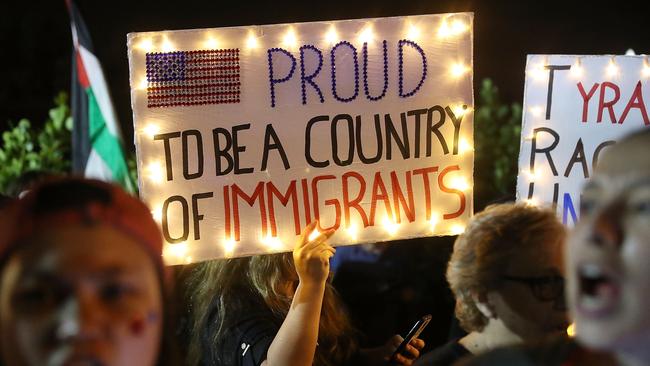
pixel 36 42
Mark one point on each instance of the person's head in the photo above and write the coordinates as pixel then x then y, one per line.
pixel 608 260
pixel 80 278
pixel 270 280
pixel 507 267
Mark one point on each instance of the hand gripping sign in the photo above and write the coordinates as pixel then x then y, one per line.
pixel 246 134
pixel 574 108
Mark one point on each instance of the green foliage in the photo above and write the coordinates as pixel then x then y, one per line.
pixel 26 149
pixel 497 130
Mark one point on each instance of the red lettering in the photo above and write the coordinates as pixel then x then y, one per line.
pixel 377 186
pixel 636 101
pixel 398 197
pixel 609 104
pixel 226 206
pixel 272 191
pixel 444 188
pixel 305 200
pixel 347 203
pixel 585 99
pixel 332 201
pixel 427 186
pixel 258 195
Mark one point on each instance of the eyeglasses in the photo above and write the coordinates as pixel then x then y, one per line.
pixel 546 288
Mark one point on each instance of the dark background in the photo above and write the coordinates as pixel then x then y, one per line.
pixel 35 38
pixel 408 281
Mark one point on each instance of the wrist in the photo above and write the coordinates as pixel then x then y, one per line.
pixel 311 286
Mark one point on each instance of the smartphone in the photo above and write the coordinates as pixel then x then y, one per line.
pixel 415 331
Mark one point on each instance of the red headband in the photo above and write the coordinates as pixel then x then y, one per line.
pixel 123 212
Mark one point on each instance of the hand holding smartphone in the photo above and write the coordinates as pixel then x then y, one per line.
pixel 415 331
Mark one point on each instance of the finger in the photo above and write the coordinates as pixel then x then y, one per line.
pixel 411 352
pixel 396 340
pixel 417 343
pixel 401 360
pixel 328 234
pixel 327 253
pixel 314 244
pixel 306 232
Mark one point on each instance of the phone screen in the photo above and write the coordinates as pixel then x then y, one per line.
pixel 415 331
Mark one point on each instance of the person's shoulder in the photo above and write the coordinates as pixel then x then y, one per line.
pixel 550 352
pixel 246 338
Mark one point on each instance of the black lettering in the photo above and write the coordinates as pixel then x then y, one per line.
pixel 168 151
pixel 269 135
pixel 186 219
pixel 199 154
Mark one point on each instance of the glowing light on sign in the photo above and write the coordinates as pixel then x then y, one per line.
pixel 576 70
pixel 536 111
pixel 449 30
pixel 155 172
pixel 178 250
pixel 211 43
pixel 538 72
pixel 460 111
pixel 531 202
pixel 433 222
pixel 157 214
pixel 464 146
pixel 142 84
pixel 290 39
pixel 459 183
pixel 331 36
pixel 251 41
pixel 457 229
pixel 612 69
pixel 645 72
pixel 229 247
pixel 353 232
pixel 532 174
pixel 167 45
pixel 413 32
pixel 146 45
pixel 272 242
pixel 390 226
pixel 366 36
pixel 151 130
pixel 458 69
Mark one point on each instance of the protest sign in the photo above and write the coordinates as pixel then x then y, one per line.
pixel 574 108
pixel 244 135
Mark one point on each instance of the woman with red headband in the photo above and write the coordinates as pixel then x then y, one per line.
pixel 81 278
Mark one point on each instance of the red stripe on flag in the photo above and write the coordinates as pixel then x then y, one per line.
pixel 82 76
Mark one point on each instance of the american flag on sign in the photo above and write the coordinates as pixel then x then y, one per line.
pixel 187 78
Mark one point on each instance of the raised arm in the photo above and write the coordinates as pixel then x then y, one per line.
pixel 295 343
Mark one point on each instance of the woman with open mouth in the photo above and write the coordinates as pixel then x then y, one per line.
pixel 609 255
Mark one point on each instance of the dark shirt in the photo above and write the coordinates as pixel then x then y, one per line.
pixel 247 339
pixel 444 355
pixel 559 351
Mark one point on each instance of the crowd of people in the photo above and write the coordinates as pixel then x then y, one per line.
pixel 82 282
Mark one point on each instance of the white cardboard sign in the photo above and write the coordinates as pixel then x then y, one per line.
pixel 574 108
pixel 244 135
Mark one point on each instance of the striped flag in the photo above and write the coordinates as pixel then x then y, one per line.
pixel 97 148
pixel 192 78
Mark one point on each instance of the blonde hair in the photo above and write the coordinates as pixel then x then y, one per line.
pixel 492 239
pixel 221 284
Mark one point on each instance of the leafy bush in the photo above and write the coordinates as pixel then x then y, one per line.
pixel 26 149
pixel 497 131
